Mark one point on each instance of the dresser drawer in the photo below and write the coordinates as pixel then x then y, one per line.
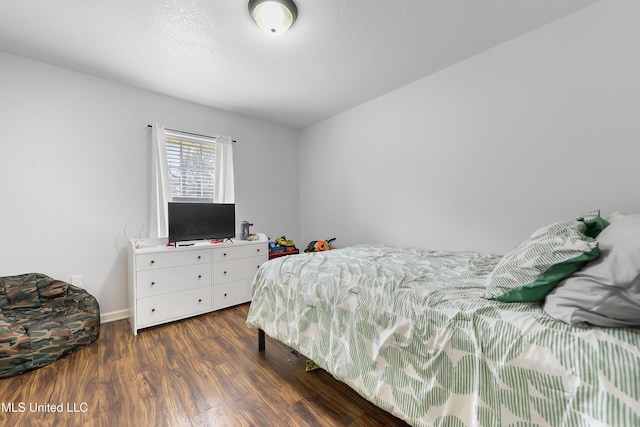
pixel 236 269
pixel 172 259
pixel 165 308
pixel 232 293
pixel 242 251
pixel 174 279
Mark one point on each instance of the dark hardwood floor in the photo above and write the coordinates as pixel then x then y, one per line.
pixel 203 371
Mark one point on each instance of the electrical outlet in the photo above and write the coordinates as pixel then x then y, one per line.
pixel 76 280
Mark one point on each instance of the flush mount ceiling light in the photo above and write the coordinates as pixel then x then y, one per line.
pixel 273 16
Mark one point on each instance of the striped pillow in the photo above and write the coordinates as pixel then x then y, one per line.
pixel 535 266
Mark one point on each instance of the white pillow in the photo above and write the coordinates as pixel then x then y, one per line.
pixel 614 217
pixel 606 291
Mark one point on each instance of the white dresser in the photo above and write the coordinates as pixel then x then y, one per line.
pixel 169 283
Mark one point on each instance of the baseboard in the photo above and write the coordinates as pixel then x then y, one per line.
pixel 114 315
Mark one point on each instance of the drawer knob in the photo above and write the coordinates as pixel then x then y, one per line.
pixel 153 310
pixel 258 249
pixel 199 276
pixel 152 262
pixel 225 295
pixel 224 254
pixel 224 272
pixel 200 300
pixel 153 283
pixel 199 257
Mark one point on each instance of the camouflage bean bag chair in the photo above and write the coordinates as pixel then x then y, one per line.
pixel 41 320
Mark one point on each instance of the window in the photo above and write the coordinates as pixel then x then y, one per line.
pixel 191 165
pixel 190 168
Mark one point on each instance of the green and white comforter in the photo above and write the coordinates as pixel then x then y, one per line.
pixel 409 330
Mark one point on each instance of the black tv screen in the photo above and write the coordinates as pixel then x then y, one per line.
pixel 201 221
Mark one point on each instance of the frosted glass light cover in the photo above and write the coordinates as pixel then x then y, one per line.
pixel 272 17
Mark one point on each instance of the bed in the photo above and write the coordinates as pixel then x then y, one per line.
pixel 415 332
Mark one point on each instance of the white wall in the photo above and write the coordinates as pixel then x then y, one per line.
pixel 74 170
pixel 477 156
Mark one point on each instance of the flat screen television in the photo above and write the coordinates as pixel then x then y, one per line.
pixel 201 221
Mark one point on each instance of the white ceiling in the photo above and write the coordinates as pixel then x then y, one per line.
pixel 338 54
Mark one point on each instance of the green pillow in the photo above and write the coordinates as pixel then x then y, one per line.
pixel 534 267
pixel 595 226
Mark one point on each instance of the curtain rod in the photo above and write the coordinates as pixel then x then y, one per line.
pixel 191 133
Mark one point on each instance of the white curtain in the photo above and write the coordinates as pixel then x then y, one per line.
pixel 160 189
pixel 224 192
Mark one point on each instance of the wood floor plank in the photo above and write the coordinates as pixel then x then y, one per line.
pixel 203 371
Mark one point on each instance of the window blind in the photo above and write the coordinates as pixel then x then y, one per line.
pixel 191 163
